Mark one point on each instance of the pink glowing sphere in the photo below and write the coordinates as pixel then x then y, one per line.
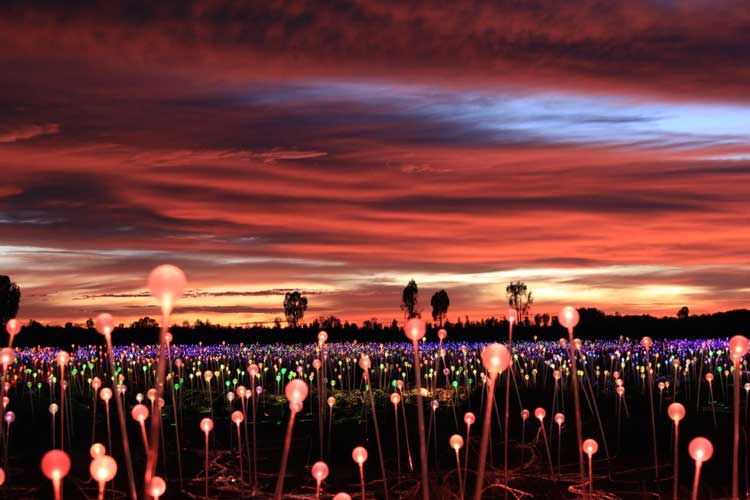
pixel 53 408
pixel 55 464
pixel 62 358
pixel 395 398
pixel 9 417
pixel 97 450
pixel 13 326
pixel 296 391
pixel 2 476
pixel 620 391
pixel 253 370
pixel 237 417
pixel 676 412
pixel 709 377
pixel 167 283
pixel 661 386
pixel 569 317
pixel 322 338
pixel 559 418
pixel 746 386
pixel 540 413
pixel 316 364
pixel 415 329
pixel 495 358
pixel 456 442
pixel 103 468
pixel 96 383
pixel 590 447
pixel 208 375
pixel 469 418
pixel 105 394
pixel 151 394
pixel 7 356
pixel 738 347
pixel 556 374
pixel 241 391
pixel 434 404
pixel 207 425
pixel 342 496
pixel 331 401
pixel 104 324
pixel 701 449
pixel 512 316
pixel 139 413
pixel 319 471
pixel 359 455
pixel 365 362
pixel 646 342
pixel 615 374
pixel 156 487
pixel 525 414
pixel 442 334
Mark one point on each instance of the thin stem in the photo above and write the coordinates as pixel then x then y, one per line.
pixel 485 437
pixel 284 457
pixel 420 425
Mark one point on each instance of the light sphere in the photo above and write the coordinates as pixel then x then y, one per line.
pixel 646 342
pixel 322 337
pixel 701 449
pixel 590 447
pixel 512 316
pixel 676 412
pixel 253 370
pixel 62 358
pixel 525 414
pixel 55 464
pixel 495 358
pixel 316 364
pixel 331 401
pixel 97 450
pixel 53 408
pixel 469 418
pixel 395 398
pixel 237 417
pixel 208 375
pixel 456 442
pixel 7 356
pixel 13 326
pixel 415 329
pixel 103 468
pixel 319 471
pixel 365 362
pixel 559 418
pixel 105 394
pixel 139 413
pixel 442 334
pixel 2 476
pixel 359 455
pixel 157 486
pixel 296 391
pixel 207 425
pixel 104 324
pixel 738 347
pixel 434 404
pixel 342 496
pixel 9 417
pixel 569 317
pixel 540 413
pixel 709 377
pixel 167 283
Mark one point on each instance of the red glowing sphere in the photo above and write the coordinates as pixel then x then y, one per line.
pixel 569 317
pixel 207 425
pixel 296 391
pixel 359 455
pixel 495 358
pixel 701 449
pixel 319 471
pixel 456 442
pixel 590 447
pixel 415 329
pixel 55 464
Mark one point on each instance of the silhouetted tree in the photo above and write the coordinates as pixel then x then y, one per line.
pixel 89 324
pixel 519 298
pixel 10 297
pixel 440 303
pixel 683 313
pixel 546 319
pixel 295 305
pixel 409 300
pixel 538 321
pixel 140 324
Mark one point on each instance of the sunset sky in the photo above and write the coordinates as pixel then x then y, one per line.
pixel 600 153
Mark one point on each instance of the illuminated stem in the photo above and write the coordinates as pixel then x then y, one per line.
pixel 361 480
pixel 736 441
pixel 651 408
pixel 576 401
pixel 239 447
pixel 284 457
pixel 485 437
pixel 153 454
pixel 676 484
pixel 507 410
pixel 205 479
pixel 696 480
pixel 377 432
pixel 398 442
pixel 460 480
pixel 123 429
pixel 420 425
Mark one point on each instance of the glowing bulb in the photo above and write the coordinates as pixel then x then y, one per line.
pixel 559 418
pixel 331 401
pixel 296 391
pixel 701 449
pixel 395 398
pixel 569 317
pixel 2 477
pixel 434 404
pixel 359 455
pixel 342 496
pixel 495 358
pixel 97 450
pixel 442 334
pixel 738 347
pixel 316 364
pixel 590 447
pixel 103 468
pixel 207 425
pixel 709 377
pixel 646 342
pixel 525 414
pixel 364 362
pixel 104 324
pixel 9 417
pixel 106 394
pixel 157 487
pixel 319 471
pixel 167 283
pixel 62 358
pixel 237 417
pixel 139 413
pixel 7 356
pixel 55 464
pixel 253 370
pixel 322 337
pixel 208 375
pixel 13 326
pixel 676 412
pixel 469 418
pixel 540 413
pixel 415 329
pixel 53 408
pixel 512 316
pixel 456 442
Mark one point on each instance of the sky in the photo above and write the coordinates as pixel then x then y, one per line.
pixel 598 151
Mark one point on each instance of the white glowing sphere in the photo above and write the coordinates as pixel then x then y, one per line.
pixel 103 468
pixel 97 450
pixel 456 442
pixel 676 412
pixel 167 283
pixel 104 324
